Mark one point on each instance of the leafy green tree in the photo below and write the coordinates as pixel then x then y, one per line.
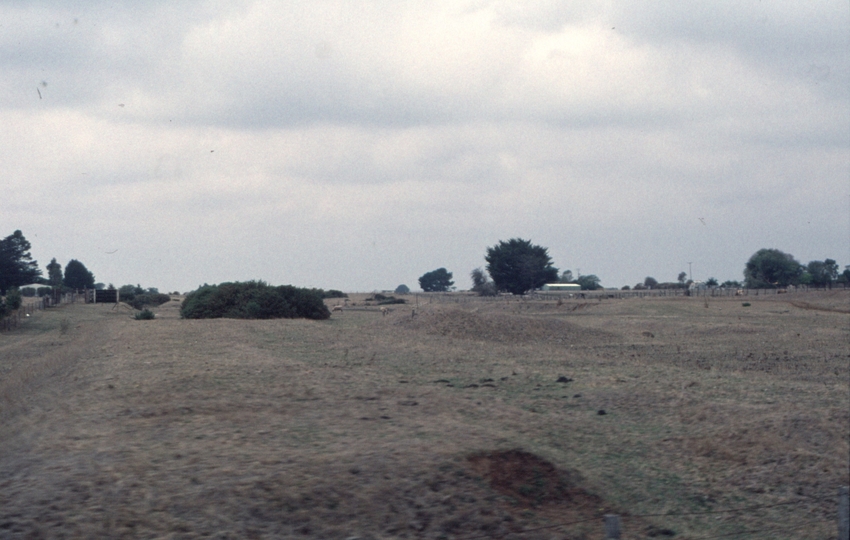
pixel 567 277
pixel 518 266
pixel 711 282
pixel 650 282
pixel 821 273
pixel 772 268
pixel 730 284
pixel 77 276
pixel 682 277
pixel 589 282
pixel 402 289
pixel 54 274
pixel 439 280
pixel 16 264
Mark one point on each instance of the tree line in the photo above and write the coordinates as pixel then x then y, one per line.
pixel 517 266
pixel 17 268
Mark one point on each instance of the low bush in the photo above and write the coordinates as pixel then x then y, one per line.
pixel 29 292
pixel 253 300
pixel 145 315
pixel 333 293
pixel 44 291
pixel 139 301
pixel 14 299
pixel 382 299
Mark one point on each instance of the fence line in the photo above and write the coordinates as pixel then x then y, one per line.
pixel 29 307
pixel 603 294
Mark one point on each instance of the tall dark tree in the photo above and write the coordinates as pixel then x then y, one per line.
pixel 77 276
pixel 772 268
pixel 439 280
pixel 54 273
pixel 16 265
pixel 650 282
pixel 518 266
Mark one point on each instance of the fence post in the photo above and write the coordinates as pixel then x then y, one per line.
pixel 843 513
pixel 612 527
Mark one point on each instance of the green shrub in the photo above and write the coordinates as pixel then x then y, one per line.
pixel 139 301
pixel 253 300
pixel 28 292
pixel 333 293
pixel 145 315
pixel 14 299
pixel 44 291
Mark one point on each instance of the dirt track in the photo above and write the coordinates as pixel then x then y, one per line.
pixel 375 426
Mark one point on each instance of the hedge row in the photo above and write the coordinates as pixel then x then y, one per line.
pixel 253 300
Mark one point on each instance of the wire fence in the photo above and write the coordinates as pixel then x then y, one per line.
pixel 30 305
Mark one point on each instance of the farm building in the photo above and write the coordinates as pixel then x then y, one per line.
pixel 561 287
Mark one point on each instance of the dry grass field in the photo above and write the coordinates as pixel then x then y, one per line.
pixel 474 419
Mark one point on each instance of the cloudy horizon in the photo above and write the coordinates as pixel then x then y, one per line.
pixel 357 146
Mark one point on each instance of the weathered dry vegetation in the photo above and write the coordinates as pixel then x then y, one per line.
pixel 452 424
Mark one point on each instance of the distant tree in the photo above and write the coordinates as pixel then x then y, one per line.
pixel 16 264
pixel 567 277
pixel 100 286
pixel 821 273
pixel 650 282
pixel 77 276
pixel 439 280
pixel 772 268
pixel 625 288
pixel 682 277
pixel 402 289
pixel 729 284
pixel 845 276
pixel 54 274
pixel 640 287
pixel 481 284
pixel 518 266
pixel 711 282
pixel 589 282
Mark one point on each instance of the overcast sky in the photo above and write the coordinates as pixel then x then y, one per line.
pixel 357 145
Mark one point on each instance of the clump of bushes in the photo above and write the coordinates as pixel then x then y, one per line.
pixel 253 300
pixel 333 293
pixel 139 298
pixel 139 301
pixel 383 300
pixel 145 315
pixel 14 299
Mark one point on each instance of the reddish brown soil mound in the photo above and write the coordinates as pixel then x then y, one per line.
pixel 531 480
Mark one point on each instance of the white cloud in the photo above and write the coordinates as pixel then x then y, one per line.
pixel 358 146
